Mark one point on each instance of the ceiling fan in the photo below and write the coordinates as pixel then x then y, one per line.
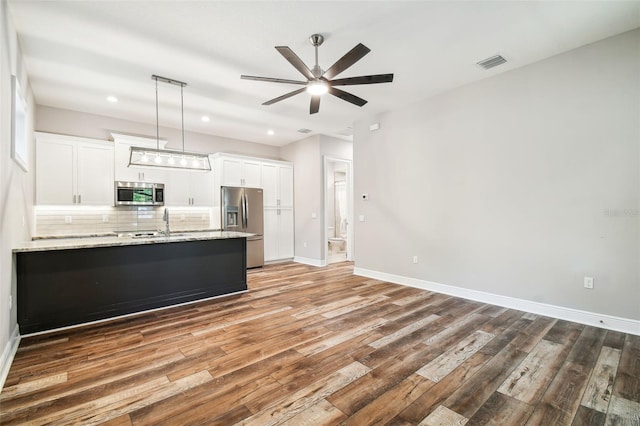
pixel 321 81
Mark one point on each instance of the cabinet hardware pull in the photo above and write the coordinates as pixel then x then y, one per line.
pixel 74 199
pixel 79 198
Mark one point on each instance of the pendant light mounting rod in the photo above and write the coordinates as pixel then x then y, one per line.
pixel 169 80
pixel 164 158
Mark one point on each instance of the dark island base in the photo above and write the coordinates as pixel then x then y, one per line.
pixel 60 288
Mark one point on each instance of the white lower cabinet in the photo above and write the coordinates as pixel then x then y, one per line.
pixel 278 233
pixel 73 171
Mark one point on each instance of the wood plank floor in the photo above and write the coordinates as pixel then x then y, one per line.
pixel 319 346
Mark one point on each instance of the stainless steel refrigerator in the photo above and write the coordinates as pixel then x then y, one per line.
pixel 242 212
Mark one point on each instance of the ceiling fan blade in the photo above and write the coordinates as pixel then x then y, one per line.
pixel 350 58
pixel 285 96
pixel 295 61
pixel 365 79
pixel 272 80
pixel 315 104
pixel 345 96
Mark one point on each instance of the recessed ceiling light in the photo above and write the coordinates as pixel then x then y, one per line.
pixel 112 99
pixel 205 118
pixel 271 132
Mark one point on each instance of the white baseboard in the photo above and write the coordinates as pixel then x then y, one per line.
pixel 7 355
pixel 609 322
pixel 313 262
pixel 275 262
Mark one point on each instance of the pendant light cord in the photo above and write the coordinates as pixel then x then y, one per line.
pixel 182 112
pixel 158 120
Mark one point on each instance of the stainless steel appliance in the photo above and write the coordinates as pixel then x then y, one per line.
pixel 242 212
pixel 138 194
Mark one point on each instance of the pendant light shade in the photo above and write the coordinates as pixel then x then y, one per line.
pixel 165 158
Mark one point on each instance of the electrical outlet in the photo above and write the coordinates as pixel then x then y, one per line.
pixel 588 282
pixel 105 218
pixel 304 244
pixel 68 219
pixel 415 259
pixel 361 218
pixel 181 217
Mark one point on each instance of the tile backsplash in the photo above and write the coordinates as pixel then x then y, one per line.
pixel 58 221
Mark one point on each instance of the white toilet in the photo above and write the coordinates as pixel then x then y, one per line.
pixel 337 244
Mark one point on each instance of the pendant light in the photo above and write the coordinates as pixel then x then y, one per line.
pixel 165 158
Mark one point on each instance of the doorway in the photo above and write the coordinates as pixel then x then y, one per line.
pixel 338 211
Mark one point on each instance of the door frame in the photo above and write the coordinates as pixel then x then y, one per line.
pixel 350 234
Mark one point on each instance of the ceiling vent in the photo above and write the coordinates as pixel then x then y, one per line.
pixel 491 62
pixel 304 130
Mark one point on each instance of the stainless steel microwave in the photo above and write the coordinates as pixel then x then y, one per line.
pixel 139 194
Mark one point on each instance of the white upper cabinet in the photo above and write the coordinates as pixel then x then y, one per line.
pixel 123 172
pixel 277 182
pixel 95 174
pixel 188 188
pixel 201 188
pixel 237 171
pixel 55 171
pixel 285 186
pixel 72 170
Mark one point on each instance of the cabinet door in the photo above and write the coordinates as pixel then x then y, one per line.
pixel 154 175
pixel 270 233
pixel 201 188
pixel 121 165
pixel 55 172
pixel 270 184
pixel 285 186
pixel 286 234
pixel 251 171
pixel 231 172
pixel 176 189
pixel 95 175
pixel 135 174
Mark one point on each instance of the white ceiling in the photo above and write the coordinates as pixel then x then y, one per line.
pixel 79 52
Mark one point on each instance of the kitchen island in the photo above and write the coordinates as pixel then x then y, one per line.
pixel 64 282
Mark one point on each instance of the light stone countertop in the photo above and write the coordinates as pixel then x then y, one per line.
pixel 114 241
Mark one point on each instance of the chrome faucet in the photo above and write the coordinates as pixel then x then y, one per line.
pixel 165 218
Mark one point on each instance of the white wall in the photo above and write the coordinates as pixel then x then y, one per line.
pixel 67 122
pixel 518 185
pixel 307 156
pixel 16 185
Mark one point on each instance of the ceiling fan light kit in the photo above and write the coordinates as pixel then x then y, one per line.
pixel 319 81
pixel 317 87
pixel 165 158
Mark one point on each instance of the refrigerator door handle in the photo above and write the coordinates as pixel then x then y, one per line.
pixel 244 211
